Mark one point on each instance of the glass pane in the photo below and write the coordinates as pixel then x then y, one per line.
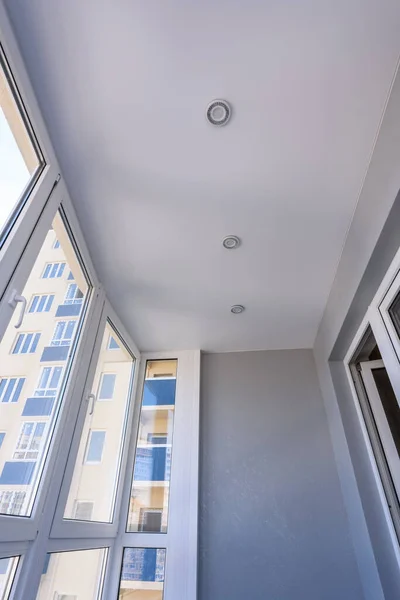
pixel 148 509
pixel 19 160
pixel 8 567
pixel 394 312
pixel 142 574
pixel 73 575
pixel 97 464
pixel 389 403
pixel 32 376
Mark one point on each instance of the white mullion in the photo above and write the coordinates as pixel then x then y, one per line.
pixel 386 349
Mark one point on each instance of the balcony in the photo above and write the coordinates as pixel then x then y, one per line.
pixel 143 564
pixel 159 392
pixel 153 464
pixel 55 353
pixel 39 406
pixel 17 472
pixel 69 310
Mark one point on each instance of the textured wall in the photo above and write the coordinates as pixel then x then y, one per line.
pixel 272 521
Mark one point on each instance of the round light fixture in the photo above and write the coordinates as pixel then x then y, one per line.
pixel 236 309
pixel 230 242
pixel 218 112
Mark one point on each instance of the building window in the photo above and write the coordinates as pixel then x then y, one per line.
pixel 11 502
pixel 29 440
pixel 26 343
pixel 112 344
pixel 2 436
pixel 70 276
pixel 49 381
pixel 157 438
pixel 10 388
pixel 150 520
pixel 53 270
pixel 107 385
pixel 83 510
pixel 41 303
pixel 95 447
pixel 56 244
pixel 73 295
pixel 63 333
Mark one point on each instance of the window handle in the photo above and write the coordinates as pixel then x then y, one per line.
pixel 91 399
pixel 14 299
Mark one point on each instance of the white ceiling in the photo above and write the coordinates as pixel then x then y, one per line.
pixel 124 85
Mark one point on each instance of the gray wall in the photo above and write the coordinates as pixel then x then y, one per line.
pixel 272 520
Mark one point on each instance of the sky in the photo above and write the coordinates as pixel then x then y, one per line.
pixel 13 173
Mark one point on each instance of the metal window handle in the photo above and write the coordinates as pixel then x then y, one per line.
pixel 14 299
pixel 91 399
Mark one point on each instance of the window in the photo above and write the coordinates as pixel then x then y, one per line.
pixel 73 295
pixel 112 344
pixel 10 388
pixel 107 385
pixel 56 244
pixel 109 418
pixel 61 580
pixel 20 157
pixel 11 503
pixel 29 441
pixel 2 436
pixel 70 276
pixel 152 470
pixel 63 333
pixel 142 573
pixel 8 568
pixel 83 510
pixel 49 381
pixel 150 520
pixel 53 270
pixel 41 303
pixel 95 446
pixel 26 343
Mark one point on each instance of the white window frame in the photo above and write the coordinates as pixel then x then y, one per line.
pixel 34 338
pixel 64 341
pixel 61 267
pixel 8 378
pixel 48 392
pixel 31 437
pixel 68 528
pixel 378 319
pixel 45 309
pixel 180 541
pixel 74 299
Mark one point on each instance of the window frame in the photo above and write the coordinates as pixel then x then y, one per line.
pixel 68 528
pixel 386 337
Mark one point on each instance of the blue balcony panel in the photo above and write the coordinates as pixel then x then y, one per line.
pixel 152 464
pixel 17 473
pixel 68 310
pixel 54 353
pixel 143 564
pixel 38 406
pixel 159 392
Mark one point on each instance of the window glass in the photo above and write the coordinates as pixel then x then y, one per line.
pixel 394 312
pixel 142 574
pixel 98 460
pixel 32 370
pixel 19 159
pixel 74 575
pixel 8 567
pixel 148 510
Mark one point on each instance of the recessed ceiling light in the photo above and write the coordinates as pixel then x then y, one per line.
pixel 218 112
pixel 230 242
pixel 236 309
